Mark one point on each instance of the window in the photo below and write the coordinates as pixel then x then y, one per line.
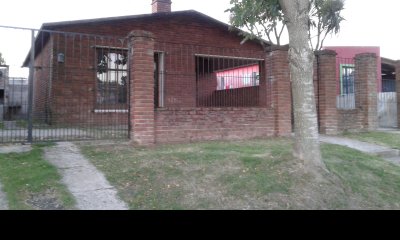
pixel 346 99
pixel 158 79
pixel 346 79
pixel 238 77
pixel 112 75
pixel 227 81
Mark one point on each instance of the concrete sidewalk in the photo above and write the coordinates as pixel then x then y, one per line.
pixel 89 186
pixel 389 130
pixel 3 200
pixel 392 155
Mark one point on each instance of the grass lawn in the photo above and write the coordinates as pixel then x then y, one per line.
pixel 381 138
pixel 256 174
pixel 30 182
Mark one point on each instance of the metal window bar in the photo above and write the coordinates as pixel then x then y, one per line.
pixel 346 84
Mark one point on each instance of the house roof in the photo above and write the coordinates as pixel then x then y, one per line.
pixel 142 17
pixel 388 61
pixel 388 67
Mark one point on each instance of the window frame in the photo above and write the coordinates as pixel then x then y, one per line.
pixel 102 107
pixel 159 69
pixel 343 68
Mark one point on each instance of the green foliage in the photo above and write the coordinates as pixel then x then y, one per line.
pixel 259 17
pixel 265 18
pixel 325 18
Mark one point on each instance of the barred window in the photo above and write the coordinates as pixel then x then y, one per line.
pixel 111 77
pixel 347 79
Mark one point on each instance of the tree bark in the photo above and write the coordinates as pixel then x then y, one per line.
pixel 301 59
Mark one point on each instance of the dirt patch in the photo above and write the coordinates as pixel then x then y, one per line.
pixel 47 200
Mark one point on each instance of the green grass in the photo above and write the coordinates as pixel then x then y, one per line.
pixel 30 182
pixel 257 174
pixel 22 123
pixel 381 138
pixel 185 176
pixel 373 182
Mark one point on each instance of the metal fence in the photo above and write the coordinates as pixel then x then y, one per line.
pixel 387 109
pixel 204 76
pixel 77 87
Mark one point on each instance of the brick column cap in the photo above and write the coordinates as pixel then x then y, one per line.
pixel 140 33
pixel 325 52
pixel 365 55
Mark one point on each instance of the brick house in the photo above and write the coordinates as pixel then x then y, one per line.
pixel 161 75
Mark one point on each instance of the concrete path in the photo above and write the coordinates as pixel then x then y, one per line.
pixel 89 186
pixel 387 153
pixel 3 200
pixel 15 148
pixel 389 130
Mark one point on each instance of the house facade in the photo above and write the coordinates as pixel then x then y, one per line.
pixel 178 77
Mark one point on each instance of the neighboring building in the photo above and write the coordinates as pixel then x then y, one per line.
pixel 248 76
pixel 388 75
pixel 3 80
pixel 16 98
pixel 13 96
pixel 345 66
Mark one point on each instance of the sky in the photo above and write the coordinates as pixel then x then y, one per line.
pixel 368 22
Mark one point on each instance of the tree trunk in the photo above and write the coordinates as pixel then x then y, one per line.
pixel 301 59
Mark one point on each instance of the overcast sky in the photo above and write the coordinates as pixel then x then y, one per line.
pixel 368 22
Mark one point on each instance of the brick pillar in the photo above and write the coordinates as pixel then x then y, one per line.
pixel 365 87
pixel 141 60
pixel 278 75
pixel 398 91
pixel 326 91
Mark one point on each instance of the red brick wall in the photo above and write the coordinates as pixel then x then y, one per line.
pixel 73 82
pixel 366 85
pixel 349 121
pixel 65 92
pixel 42 84
pixel 141 59
pixel 364 116
pixel 279 75
pixel 202 124
pixel 325 91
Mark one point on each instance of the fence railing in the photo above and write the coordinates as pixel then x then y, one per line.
pixel 77 87
pixel 204 76
pixel 387 109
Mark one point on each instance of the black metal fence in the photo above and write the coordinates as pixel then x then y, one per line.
pixel 71 87
pixel 204 76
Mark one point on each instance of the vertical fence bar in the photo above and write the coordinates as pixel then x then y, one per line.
pixel 30 93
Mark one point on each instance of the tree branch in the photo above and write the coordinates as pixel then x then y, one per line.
pixel 323 39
